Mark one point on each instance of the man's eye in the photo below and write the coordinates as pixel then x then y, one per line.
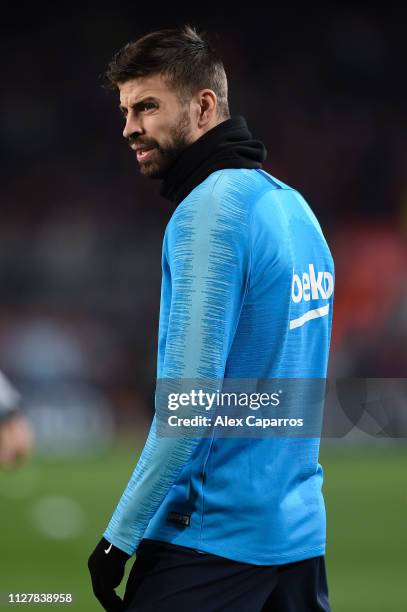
pixel 148 104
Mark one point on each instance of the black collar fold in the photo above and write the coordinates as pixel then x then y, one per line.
pixel 228 145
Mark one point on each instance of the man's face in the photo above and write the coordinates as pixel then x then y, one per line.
pixel 158 127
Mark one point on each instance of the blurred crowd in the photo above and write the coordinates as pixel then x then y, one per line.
pixel 81 231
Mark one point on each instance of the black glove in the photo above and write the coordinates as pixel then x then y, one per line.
pixel 106 566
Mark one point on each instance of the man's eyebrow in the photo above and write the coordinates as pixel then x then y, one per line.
pixel 137 105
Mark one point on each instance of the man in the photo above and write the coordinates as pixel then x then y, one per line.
pixel 220 523
pixel 16 437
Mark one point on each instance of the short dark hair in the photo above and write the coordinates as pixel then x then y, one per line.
pixel 185 60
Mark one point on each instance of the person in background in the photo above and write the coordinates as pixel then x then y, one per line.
pixel 16 437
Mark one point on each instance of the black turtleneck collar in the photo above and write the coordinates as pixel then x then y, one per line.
pixel 228 145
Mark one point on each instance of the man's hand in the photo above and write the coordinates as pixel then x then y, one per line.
pixel 106 566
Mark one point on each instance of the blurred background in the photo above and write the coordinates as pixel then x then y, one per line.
pixel 80 256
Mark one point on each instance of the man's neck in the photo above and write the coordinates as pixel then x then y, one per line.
pixel 229 144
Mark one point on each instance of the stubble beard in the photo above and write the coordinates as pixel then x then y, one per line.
pixel 165 155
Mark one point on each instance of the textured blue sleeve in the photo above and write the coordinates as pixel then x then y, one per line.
pixel 206 261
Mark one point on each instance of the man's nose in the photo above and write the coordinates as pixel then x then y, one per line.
pixel 132 128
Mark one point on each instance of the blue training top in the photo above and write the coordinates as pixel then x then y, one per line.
pixel 247 292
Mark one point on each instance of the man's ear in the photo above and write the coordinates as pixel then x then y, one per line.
pixel 208 105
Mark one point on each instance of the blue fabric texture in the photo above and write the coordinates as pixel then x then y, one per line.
pixel 236 302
